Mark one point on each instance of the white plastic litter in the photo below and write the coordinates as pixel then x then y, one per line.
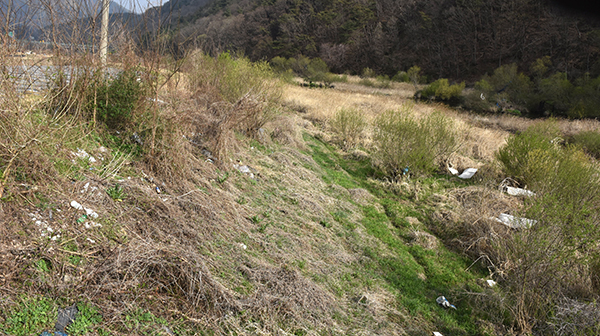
pixel 84 155
pixel 244 170
pixel 491 282
pixel 519 192
pixel 89 225
pixel 453 171
pixel 45 229
pixel 468 173
pixel 435 333
pixel 76 205
pixel 89 212
pixel 515 222
pixel 243 246
pixel 442 301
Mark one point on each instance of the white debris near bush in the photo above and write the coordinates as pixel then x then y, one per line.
pixel 89 212
pixel 45 229
pixel 466 174
pixel 244 170
pixel 519 192
pixel 84 155
pixel 515 222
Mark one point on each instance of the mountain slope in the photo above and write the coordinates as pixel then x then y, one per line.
pixel 460 40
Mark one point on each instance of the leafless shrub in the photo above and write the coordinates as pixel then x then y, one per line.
pixel 236 94
pixel 150 267
pixel 286 293
pixel 573 317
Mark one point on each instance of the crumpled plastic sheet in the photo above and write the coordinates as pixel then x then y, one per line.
pixel 515 222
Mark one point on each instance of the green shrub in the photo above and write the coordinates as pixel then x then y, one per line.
pixel 402 140
pixel 367 73
pixel 527 156
pixel 384 82
pixel 586 100
pixel 590 141
pixel 279 64
pixel 333 78
pixel 87 317
pixel 349 124
pixel 30 317
pixel 414 74
pixel 367 82
pixel 117 99
pixel 557 92
pixel 550 260
pixel 401 77
pixel 243 96
pixel 508 87
pixel 441 90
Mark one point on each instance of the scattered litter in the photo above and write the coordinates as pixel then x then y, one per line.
pixel 87 186
pixel 91 240
pixel 442 301
pixel 209 161
pixel 66 316
pixel 88 212
pixel 519 192
pixel 208 154
pixel 76 205
pixel 157 190
pixel 91 213
pixel 491 282
pixel 243 246
pixel 135 137
pixel 84 155
pixel 468 173
pixel 515 222
pixel 89 225
pixel 435 333
pixel 244 170
pixel 45 229
pixel 156 100
pixel 81 219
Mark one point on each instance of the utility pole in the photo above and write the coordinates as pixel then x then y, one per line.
pixel 104 33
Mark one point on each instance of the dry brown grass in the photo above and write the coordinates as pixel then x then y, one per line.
pixel 267 248
pixel 466 215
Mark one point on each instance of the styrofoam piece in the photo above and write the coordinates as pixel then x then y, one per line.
pixel 76 205
pixel 491 282
pixel 519 192
pixel 435 333
pixel 515 222
pixel 468 173
pixel 453 171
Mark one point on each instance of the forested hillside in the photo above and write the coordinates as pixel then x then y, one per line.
pixel 457 39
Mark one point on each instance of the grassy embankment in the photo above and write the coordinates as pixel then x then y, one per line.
pixel 318 240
